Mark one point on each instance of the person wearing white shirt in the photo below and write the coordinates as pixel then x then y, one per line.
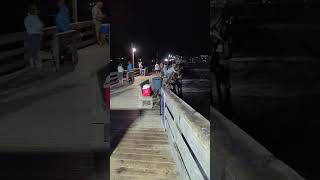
pixel 157 68
pixel 33 27
pixel 170 71
pixel 140 67
pixel 98 18
pixel 120 73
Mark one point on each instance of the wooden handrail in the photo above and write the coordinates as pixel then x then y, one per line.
pixel 17 41
pixel 189 134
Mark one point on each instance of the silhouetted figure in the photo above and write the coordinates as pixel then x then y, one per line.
pixel 98 17
pixel 62 17
pixel 157 68
pixel 130 73
pixel 33 27
pixel 120 73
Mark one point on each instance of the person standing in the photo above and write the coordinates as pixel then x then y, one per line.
pixel 98 18
pixel 33 27
pixel 130 74
pixel 157 68
pixel 140 67
pixel 62 17
pixel 120 73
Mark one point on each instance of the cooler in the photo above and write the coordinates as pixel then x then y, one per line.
pixel 146 90
pixel 105 29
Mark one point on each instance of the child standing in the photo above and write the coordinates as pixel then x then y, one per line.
pixel 33 27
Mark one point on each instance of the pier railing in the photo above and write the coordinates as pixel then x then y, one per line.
pixel 114 76
pixel 189 135
pixel 237 156
pixel 12 47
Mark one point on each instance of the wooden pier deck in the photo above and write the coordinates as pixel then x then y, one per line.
pixel 141 148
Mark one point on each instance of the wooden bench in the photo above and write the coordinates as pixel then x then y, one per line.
pixel 145 102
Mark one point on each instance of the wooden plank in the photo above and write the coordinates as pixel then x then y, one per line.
pixel 12 38
pixel 81 25
pixel 200 151
pixel 183 174
pixel 86 43
pixel 142 165
pixel 159 152
pixel 194 127
pixel 189 162
pixel 122 177
pixel 11 53
pixel 144 142
pixel 8 68
pixel 147 174
pixel 143 157
pixel 144 146
pixel 87 33
pixel 14 74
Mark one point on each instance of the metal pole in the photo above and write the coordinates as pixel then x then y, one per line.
pixel 133 59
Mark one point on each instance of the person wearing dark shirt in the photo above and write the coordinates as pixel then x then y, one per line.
pixel 63 17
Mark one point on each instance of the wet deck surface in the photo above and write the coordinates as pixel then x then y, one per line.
pixel 141 148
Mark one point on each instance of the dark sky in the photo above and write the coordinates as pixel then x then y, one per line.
pixel 180 26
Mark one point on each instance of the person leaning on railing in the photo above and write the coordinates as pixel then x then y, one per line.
pixel 33 27
pixel 98 17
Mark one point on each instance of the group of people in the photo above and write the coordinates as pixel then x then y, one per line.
pixel 130 73
pixel 34 28
pixel 161 68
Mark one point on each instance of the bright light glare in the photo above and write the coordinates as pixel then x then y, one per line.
pixel 134 49
pixel 166 60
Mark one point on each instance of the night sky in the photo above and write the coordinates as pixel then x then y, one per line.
pixel 179 26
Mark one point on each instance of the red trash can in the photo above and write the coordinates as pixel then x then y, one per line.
pixel 146 90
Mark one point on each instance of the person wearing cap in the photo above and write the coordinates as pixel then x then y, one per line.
pixel 98 17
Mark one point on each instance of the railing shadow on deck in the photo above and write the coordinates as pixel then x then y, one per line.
pixel 119 124
pixel 121 121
